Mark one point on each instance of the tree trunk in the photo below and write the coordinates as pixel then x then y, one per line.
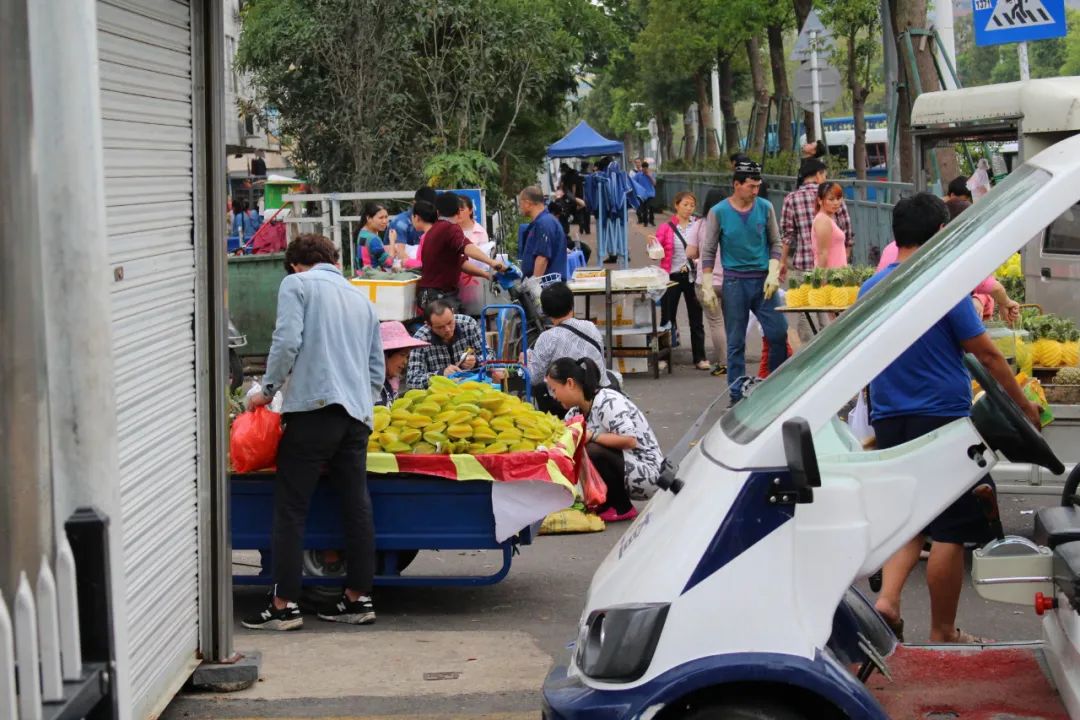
pixel 727 103
pixel 667 139
pixel 689 140
pixel 705 118
pixel 802 11
pixel 630 148
pixel 756 142
pixel 780 86
pixel 858 111
pixel 908 14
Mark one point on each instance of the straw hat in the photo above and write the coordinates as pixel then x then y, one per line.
pixel 396 337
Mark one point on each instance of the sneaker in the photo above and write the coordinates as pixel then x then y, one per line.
pixel 612 515
pixel 703 365
pixel 718 370
pixel 358 612
pixel 272 618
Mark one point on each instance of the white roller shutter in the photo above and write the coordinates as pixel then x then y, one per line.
pixel 146 86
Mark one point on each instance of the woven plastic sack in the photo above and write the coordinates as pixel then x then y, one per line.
pixel 571 520
pixel 253 441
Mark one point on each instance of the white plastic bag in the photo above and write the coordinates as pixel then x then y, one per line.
pixel 979 182
pixel 859 420
pixel 654 249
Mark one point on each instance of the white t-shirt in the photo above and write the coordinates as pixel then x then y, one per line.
pixel 613 412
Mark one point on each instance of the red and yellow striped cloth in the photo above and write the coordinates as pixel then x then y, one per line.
pixel 555 464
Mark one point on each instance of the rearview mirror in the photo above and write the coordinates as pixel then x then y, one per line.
pixel 800 454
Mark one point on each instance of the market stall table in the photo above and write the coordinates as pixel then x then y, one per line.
pixel 809 312
pixel 653 352
pixel 422 502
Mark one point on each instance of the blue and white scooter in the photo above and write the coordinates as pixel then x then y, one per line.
pixel 730 596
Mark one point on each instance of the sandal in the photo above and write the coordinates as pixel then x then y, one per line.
pixel 966 638
pixel 703 365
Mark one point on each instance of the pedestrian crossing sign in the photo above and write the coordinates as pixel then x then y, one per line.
pixel 1010 21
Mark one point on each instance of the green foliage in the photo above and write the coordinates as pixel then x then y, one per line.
pixel 1000 63
pixel 462 169
pixel 369 92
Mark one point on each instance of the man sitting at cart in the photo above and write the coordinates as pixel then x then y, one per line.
pixel 568 337
pixel 451 344
pixel 924 389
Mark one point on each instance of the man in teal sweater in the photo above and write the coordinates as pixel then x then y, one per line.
pixel 743 229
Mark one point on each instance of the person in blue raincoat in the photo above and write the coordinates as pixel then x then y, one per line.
pixel 402 224
pixel 246 221
pixel 645 187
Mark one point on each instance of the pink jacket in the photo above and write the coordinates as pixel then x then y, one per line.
pixel 666 237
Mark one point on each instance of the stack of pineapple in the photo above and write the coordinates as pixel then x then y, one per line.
pixel 827 287
pixel 472 418
pixel 1056 341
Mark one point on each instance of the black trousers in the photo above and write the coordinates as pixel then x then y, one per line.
pixel 646 213
pixel 669 310
pixel 327 437
pixel 612 468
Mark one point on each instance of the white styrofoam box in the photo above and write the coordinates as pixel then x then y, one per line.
pixel 393 299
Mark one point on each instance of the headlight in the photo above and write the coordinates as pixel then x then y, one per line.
pixel 617 643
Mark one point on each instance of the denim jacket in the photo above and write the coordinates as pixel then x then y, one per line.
pixel 326 342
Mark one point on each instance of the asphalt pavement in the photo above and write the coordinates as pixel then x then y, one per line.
pixel 447 653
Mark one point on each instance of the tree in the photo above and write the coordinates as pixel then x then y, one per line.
pixel 780 18
pixel 802 11
pixel 1071 63
pixel 337 84
pixel 908 15
pixel 857 23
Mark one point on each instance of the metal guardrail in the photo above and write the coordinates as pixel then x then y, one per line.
pixel 869 203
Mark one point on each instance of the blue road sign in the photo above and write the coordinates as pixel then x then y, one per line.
pixel 1012 21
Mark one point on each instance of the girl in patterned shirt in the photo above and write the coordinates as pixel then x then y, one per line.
pixel 619 441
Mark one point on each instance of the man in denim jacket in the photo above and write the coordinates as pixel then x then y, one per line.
pixel 326 344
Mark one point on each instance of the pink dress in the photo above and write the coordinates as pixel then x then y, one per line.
pixel 837 248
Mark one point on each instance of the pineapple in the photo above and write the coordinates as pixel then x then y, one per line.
pixel 1070 349
pixel 795 296
pixel 819 295
pixel 1067 376
pixel 1048 349
pixel 837 293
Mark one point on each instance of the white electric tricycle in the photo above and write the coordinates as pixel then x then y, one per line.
pixel 731 595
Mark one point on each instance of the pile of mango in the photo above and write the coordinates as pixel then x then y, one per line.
pixel 470 418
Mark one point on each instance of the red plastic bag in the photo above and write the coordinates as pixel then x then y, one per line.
pixel 254 439
pixel 593 487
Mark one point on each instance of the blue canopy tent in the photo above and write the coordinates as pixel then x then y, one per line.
pixel 584 142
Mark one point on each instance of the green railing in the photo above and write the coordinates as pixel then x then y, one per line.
pixel 868 202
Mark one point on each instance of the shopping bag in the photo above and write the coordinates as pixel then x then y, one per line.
pixel 253 441
pixel 654 249
pixel 859 420
pixel 593 488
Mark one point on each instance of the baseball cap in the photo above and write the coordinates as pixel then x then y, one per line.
pixel 747 167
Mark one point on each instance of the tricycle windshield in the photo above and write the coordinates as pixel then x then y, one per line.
pixel 898 293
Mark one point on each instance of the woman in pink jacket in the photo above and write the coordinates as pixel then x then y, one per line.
pixel 672 236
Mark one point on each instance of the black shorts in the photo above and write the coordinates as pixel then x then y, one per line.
pixel 962 522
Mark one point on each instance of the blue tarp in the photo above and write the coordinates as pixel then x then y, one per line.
pixel 583 141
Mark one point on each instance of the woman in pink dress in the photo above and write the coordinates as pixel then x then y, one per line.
pixel 828 240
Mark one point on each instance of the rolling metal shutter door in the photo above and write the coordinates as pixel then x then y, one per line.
pixel 146 86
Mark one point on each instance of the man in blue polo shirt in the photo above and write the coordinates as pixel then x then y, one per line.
pixel 743 229
pixel 927 387
pixel 543 250
pixel 402 222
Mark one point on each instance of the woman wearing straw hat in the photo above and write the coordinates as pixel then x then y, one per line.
pixel 397 343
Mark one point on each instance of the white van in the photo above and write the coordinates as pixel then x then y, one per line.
pixel 730 597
